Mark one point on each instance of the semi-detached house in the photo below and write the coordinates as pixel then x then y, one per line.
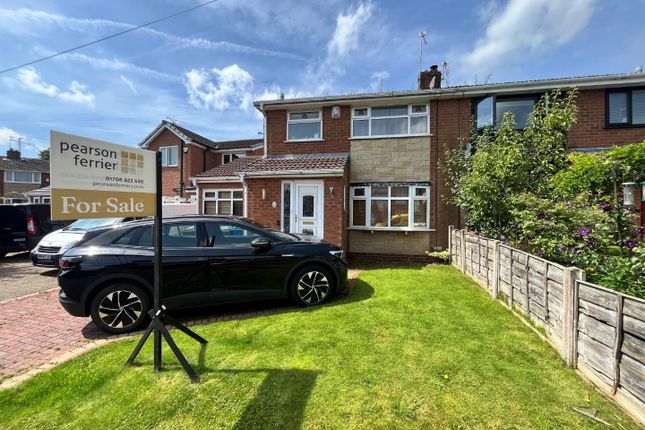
pixel 362 170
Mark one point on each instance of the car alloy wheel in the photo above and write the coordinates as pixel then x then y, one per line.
pixel 313 287
pixel 120 309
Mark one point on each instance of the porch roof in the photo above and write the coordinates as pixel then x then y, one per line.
pixel 280 165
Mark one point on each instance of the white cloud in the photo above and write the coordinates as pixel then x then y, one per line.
pixel 29 79
pixel 118 65
pixel 524 27
pixel 345 40
pixel 26 21
pixel 348 29
pixel 219 89
pixel 130 84
pixel 377 80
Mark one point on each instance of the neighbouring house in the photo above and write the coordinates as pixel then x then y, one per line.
pixel 20 175
pixel 361 170
pixel 185 154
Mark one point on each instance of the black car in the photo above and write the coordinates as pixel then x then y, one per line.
pixel 23 225
pixel 206 260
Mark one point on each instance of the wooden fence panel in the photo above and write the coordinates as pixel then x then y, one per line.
pixel 597 330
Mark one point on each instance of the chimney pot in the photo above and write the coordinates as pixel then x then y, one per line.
pixel 430 79
pixel 13 154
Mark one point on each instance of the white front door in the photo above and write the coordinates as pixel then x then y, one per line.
pixel 308 208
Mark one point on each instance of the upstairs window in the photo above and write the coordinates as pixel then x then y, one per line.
pixel 227 158
pixel 169 156
pixel 22 177
pixel 385 121
pixel 303 126
pixel 489 111
pixel 625 108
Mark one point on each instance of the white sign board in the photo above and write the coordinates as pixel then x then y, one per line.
pixel 95 179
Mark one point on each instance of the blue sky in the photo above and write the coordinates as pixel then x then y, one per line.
pixel 205 68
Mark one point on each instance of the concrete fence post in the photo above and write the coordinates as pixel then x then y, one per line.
pixel 496 268
pixel 570 314
pixel 463 250
pixel 451 229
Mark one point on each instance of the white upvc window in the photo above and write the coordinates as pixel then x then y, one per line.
pixel 304 126
pixel 169 156
pixel 22 177
pixel 224 202
pixel 390 207
pixel 391 121
pixel 227 158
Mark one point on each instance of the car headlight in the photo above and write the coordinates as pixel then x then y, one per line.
pixel 339 253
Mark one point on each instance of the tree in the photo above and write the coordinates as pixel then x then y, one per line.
pixel 44 154
pixel 508 162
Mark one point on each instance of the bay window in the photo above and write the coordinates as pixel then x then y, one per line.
pixel 625 108
pixel 384 121
pixel 304 126
pixel 224 202
pixel 390 206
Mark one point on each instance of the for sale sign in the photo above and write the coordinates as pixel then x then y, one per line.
pixel 95 179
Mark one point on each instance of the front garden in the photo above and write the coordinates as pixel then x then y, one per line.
pixel 413 347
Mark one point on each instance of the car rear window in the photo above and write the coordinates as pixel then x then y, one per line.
pixel 13 215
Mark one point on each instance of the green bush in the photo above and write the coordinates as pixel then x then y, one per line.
pixel 626 273
pixel 524 186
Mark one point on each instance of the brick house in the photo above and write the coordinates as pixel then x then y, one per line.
pixel 20 175
pixel 362 170
pixel 185 154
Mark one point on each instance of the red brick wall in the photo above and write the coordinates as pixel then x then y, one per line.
pixel 169 175
pixel 590 131
pixel 335 133
pixel 449 125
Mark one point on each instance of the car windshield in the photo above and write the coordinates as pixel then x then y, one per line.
pixel 90 223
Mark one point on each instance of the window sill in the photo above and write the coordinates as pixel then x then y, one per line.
pixel 402 229
pixel 395 136
pixel 304 141
pixel 170 165
pixel 622 126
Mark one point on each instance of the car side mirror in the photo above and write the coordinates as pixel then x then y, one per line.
pixel 261 243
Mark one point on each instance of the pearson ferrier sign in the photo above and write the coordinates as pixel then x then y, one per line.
pixel 95 179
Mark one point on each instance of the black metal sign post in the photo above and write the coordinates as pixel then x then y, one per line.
pixel 158 316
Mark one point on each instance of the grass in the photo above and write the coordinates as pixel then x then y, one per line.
pixel 416 347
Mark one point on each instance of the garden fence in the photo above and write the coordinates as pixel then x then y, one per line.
pixel 598 331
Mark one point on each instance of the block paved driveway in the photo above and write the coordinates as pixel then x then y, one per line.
pixel 34 328
pixel 35 331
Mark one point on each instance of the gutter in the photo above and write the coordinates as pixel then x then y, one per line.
pixel 456 92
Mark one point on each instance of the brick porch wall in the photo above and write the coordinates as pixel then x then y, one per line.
pixel 263 212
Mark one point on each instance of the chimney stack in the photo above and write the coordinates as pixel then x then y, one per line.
pixel 13 154
pixel 430 79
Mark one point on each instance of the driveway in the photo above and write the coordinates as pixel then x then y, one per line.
pixel 18 277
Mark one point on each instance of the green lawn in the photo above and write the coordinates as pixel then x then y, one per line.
pixel 409 348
